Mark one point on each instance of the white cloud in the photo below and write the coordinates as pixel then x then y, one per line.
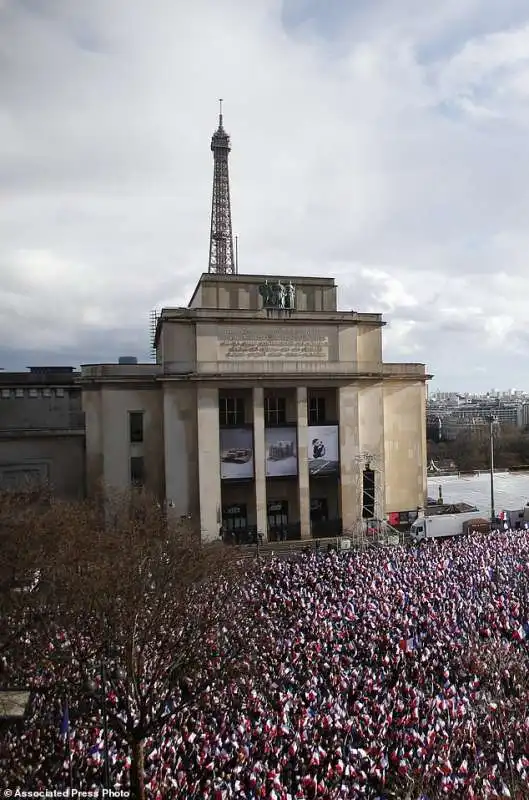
pixel 385 146
pixel 489 74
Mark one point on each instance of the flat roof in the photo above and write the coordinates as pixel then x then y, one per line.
pixel 41 378
pixel 216 277
pixel 245 277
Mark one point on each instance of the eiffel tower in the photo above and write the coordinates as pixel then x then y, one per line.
pixel 221 258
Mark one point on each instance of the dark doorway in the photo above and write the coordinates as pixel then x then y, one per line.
pixel 319 510
pixel 277 515
pixel 277 512
pixel 234 520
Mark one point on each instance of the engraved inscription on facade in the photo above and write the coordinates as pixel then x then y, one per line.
pixel 282 343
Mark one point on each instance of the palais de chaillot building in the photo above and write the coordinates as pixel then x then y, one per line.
pixel 268 409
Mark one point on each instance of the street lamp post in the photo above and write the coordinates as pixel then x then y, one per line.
pixel 492 422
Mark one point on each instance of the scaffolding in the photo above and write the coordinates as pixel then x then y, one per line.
pixel 153 324
pixel 371 531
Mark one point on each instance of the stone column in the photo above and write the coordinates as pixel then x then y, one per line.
pixel 209 462
pixel 180 445
pixel 350 468
pixel 259 461
pixel 303 462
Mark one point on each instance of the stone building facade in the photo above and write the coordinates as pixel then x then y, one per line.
pixel 42 431
pixel 263 413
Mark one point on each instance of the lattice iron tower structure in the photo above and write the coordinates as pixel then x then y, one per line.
pixel 221 257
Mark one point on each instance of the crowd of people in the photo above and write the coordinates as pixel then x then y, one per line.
pixel 397 672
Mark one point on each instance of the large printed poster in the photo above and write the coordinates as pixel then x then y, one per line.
pixel 236 453
pixel 281 452
pixel 323 449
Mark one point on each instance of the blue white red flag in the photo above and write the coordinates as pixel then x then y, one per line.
pixel 408 645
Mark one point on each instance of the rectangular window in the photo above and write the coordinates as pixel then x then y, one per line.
pixel 137 471
pixel 234 517
pixel 277 513
pixel 316 410
pixel 231 411
pixel 275 409
pixel 136 426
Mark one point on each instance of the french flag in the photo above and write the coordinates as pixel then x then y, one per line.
pixel 408 645
pixel 522 632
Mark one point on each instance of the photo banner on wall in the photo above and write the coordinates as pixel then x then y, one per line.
pixel 323 450
pixel 236 453
pixel 281 452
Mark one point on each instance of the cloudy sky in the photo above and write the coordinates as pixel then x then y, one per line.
pixel 383 142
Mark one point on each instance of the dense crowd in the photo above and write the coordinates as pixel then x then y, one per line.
pixel 364 675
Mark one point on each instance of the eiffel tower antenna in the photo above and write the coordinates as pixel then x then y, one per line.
pixel 221 257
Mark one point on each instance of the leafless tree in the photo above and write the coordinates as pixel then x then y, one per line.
pixel 138 600
pixel 20 559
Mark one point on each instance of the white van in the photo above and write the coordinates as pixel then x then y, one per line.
pixel 440 526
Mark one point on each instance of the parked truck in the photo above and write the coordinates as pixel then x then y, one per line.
pixel 444 526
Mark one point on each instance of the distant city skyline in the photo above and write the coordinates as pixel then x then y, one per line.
pixel 384 145
pixel 477 393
